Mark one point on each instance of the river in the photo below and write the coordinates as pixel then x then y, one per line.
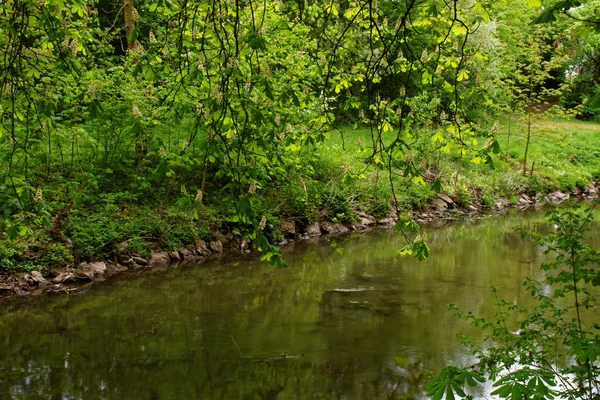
pixel 348 319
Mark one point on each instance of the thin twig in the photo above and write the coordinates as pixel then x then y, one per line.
pixel 238 347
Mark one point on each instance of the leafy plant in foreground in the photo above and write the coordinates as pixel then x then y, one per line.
pixel 552 350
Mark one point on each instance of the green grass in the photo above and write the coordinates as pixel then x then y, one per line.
pixel 566 154
pixel 115 211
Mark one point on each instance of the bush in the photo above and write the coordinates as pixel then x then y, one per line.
pixel 553 348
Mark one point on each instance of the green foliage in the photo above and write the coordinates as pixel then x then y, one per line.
pixel 222 114
pixel 105 235
pixel 552 350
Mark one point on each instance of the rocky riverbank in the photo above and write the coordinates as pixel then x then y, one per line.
pixel 68 278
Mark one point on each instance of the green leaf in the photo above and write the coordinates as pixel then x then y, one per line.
pixel 134 34
pixel 594 102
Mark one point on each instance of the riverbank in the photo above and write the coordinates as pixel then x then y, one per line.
pixel 67 279
pixel 107 227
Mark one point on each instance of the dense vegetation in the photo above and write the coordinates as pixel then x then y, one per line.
pixel 130 126
pixel 549 350
pixel 163 122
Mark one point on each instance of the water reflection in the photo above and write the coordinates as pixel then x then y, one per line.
pixel 349 318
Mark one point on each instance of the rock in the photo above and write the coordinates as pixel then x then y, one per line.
pixel 438 204
pixel 84 274
pixel 592 191
pixel 446 198
pixel 187 253
pixel 54 272
pixel 174 256
pixel 126 260
pixel 501 203
pixel 37 277
pixel 473 208
pixel 367 220
pixel 7 288
pixel 523 202
pixel 216 246
pixel 557 197
pixel 160 259
pixel 341 228
pixel 98 268
pixel 202 249
pixel 221 238
pixel 116 268
pixel 65 277
pixel 288 227
pixel 386 221
pixel 313 229
pixel 330 227
pixel 245 244
pixel 188 256
pixel 139 260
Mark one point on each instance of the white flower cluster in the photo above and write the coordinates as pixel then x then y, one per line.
pixel 136 112
pixel 39 196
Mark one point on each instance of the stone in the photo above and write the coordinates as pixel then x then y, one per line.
pixel 202 249
pixel 54 272
pixel 187 253
pixel 367 220
pixel 127 260
pixel 116 268
pixel 64 278
pixel 288 227
pixel 446 198
pixel 174 256
pixel 7 288
pixel 160 259
pixel 501 203
pixel 245 244
pixel 386 221
pixel 139 260
pixel 37 277
pixel 557 197
pixel 331 227
pixel 216 246
pixel 98 268
pixel 84 274
pixel 438 204
pixel 592 189
pixel 313 229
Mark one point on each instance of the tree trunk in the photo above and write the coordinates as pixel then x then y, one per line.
pixel 129 22
pixel 527 144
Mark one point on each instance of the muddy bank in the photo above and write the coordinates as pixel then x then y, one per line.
pixel 68 278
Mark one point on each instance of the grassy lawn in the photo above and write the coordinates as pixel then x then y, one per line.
pixel 565 155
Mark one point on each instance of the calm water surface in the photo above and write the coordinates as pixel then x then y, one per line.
pixel 349 312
